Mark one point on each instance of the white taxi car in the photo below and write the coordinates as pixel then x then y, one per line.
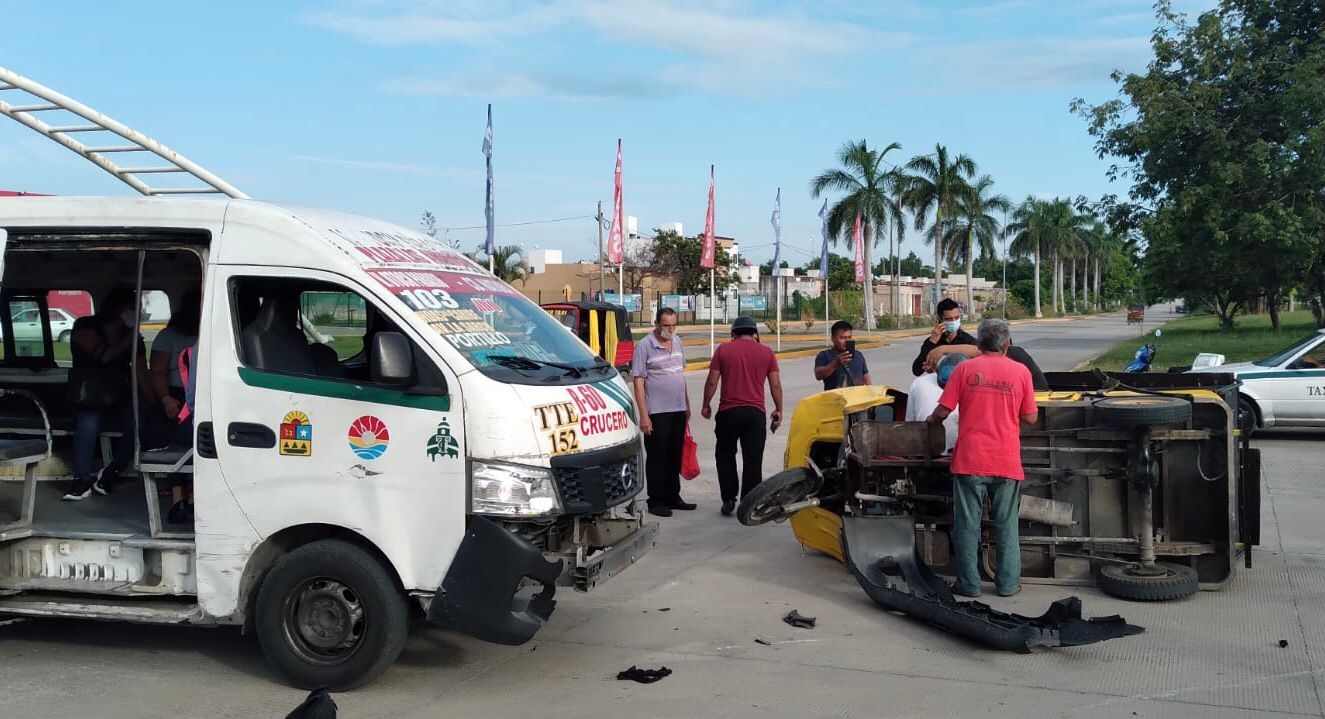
pixel 1286 389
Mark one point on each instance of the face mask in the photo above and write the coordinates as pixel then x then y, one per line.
pixel 954 326
pixel 664 334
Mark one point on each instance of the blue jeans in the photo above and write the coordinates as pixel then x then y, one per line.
pixel 968 495
pixel 88 425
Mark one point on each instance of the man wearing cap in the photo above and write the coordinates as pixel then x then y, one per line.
pixel 923 396
pixel 996 398
pixel 743 365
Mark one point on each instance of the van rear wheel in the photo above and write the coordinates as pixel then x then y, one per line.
pixel 329 615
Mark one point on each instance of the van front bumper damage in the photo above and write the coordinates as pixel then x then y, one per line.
pixel 500 587
pixel 881 555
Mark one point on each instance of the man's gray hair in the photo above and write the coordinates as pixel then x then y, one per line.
pixel 994 335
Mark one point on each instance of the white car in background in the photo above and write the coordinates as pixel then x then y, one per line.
pixel 27 325
pixel 1286 389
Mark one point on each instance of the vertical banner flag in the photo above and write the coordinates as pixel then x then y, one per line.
pixel 616 250
pixel 777 231
pixel 708 255
pixel 860 250
pixel 823 253
pixel 490 246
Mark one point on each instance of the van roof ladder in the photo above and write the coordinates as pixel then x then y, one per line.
pixel 98 139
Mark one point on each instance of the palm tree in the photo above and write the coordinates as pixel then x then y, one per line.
pixel 938 182
pixel 866 182
pixel 509 263
pixel 1063 231
pixel 1028 230
pixel 975 225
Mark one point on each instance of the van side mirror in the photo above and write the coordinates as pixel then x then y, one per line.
pixel 391 360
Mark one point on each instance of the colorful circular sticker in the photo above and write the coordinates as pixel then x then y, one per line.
pixel 369 437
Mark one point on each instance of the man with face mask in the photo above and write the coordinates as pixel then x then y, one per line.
pixel 947 331
pixel 658 373
pixel 948 337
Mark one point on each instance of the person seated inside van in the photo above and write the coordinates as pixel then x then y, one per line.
pixel 168 368
pixel 101 389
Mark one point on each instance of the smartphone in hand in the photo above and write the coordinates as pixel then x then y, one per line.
pixel 851 347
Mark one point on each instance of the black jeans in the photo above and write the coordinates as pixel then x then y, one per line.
pixel 662 465
pixel 744 425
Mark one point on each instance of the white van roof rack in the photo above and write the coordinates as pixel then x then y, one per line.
pixel 97 138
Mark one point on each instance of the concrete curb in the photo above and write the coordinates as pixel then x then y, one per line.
pixel 788 354
pixel 876 338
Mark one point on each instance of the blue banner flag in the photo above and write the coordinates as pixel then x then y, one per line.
pixel 823 254
pixel 777 231
pixel 490 246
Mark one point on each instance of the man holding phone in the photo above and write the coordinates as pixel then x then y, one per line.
pixel 840 365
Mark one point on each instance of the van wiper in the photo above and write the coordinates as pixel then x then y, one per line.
pixel 522 362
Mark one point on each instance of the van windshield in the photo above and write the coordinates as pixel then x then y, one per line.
pixel 499 330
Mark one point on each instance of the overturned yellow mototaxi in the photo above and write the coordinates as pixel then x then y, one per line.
pixel 1144 488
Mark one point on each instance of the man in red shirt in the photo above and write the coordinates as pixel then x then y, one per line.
pixel 996 396
pixel 743 365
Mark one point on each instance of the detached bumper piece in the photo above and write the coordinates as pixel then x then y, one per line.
pixel 478 597
pixel 881 555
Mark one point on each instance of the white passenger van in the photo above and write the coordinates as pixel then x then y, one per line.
pixel 382 428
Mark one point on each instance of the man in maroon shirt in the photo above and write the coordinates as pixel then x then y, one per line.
pixel 996 396
pixel 743 365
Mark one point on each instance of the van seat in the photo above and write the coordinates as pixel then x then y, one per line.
pixel 13 449
pixel 169 455
pixel 273 342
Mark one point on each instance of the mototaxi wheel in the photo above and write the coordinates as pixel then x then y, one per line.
pixel 767 501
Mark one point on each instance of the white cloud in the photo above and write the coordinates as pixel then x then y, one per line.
pixel 716 46
pixel 402 168
pixel 993 9
pixel 1038 64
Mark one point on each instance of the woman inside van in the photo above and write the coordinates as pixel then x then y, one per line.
pixel 167 428
pixel 101 389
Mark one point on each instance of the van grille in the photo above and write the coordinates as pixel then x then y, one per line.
pixel 588 485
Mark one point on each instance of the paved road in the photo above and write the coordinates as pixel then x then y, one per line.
pixel 723 586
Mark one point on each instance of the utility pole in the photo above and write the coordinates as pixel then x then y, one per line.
pixel 602 260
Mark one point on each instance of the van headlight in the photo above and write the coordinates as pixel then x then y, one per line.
pixel 512 490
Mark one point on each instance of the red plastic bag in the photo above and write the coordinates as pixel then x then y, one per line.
pixel 689 456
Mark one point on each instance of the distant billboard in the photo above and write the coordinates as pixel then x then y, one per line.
pixel 679 303
pixel 756 303
pixel 632 303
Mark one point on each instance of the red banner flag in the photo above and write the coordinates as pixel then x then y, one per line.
pixel 860 251
pixel 708 256
pixel 615 247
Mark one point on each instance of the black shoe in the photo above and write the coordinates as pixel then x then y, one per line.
pixel 728 507
pixel 105 481
pixel 660 511
pixel 181 513
pixel 683 505
pixel 81 490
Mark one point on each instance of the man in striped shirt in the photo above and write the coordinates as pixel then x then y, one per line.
pixel 658 371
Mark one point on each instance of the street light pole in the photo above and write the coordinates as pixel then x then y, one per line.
pixel 602 261
pixel 1005 276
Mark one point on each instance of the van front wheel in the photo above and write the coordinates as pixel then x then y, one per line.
pixel 329 615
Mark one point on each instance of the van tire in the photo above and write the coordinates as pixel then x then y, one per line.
pixel 361 620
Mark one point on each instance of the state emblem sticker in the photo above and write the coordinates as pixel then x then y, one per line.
pixel 296 439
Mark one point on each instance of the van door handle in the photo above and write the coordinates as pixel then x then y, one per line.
pixel 248 434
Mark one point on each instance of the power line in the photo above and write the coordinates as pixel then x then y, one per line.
pixel 526 223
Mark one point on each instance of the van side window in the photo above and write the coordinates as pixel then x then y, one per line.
pixel 309 328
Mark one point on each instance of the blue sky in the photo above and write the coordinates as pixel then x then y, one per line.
pixel 377 106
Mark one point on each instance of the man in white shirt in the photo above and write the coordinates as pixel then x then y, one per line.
pixel 923 397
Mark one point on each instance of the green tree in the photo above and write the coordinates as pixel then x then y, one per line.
pixel 1028 230
pixel 1222 140
pixel 841 271
pixel 938 183
pixel 975 226
pixel 508 263
pixel 868 187
pixel 677 256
